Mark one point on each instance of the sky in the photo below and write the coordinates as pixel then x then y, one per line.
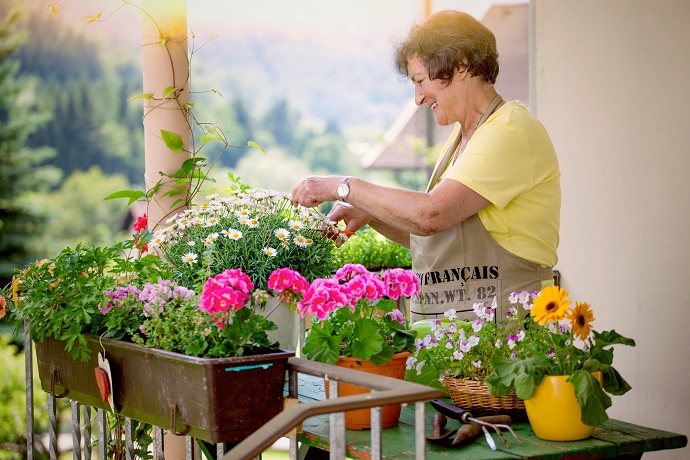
pixel 360 33
pixel 323 17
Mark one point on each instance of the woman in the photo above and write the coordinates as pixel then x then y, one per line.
pixel 488 223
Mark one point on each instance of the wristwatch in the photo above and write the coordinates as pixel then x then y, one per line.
pixel 344 189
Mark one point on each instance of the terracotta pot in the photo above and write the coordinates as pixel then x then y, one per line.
pixel 360 419
pixel 554 413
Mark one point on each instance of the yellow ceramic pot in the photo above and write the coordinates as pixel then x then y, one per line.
pixel 554 413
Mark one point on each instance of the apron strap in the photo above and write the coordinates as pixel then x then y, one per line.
pixel 443 164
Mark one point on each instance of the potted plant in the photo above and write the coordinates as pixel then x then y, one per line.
pixel 355 323
pixel 566 356
pixel 142 322
pixel 456 355
pixel 256 230
pixel 369 248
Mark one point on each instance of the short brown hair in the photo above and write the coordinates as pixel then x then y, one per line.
pixel 445 42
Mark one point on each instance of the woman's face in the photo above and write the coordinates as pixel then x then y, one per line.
pixel 442 99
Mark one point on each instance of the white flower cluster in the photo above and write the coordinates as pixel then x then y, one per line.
pixel 245 210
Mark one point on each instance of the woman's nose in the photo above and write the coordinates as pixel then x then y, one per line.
pixel 418 96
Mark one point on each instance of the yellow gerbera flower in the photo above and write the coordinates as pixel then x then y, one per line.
pixel 550 305
pixel 581 320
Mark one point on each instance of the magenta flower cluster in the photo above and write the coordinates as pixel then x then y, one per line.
pixel 353 283
pixel 287 284
pixel 228 290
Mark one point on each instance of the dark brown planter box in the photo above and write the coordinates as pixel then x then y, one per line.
pixel 217 400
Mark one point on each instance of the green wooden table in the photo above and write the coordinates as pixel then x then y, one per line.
pixel 615 439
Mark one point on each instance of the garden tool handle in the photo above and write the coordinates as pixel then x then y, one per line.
pixel 451 411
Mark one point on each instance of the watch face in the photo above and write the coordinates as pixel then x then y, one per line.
pixel 343 191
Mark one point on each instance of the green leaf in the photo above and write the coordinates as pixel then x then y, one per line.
pixel 172 140
pixel 367 339
pixel 211 134
pixel 614 383
pixel 132 195
pixel 384 356
pixel 591 398
pixel 141 96
pixel 210 138
pixel 168 91
pixel 522 374
pixel 321 344
pixel 607 338
pixel 255 145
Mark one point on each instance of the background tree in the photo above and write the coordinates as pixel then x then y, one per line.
pixel 77 213
pixel 20 166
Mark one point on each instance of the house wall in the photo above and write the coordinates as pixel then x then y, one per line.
pixel 610 83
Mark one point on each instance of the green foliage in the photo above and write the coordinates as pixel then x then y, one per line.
pixel 373 250
pixel 117 443
pixel 76 213
pixel 181 326
pixel 20 167
pixel 62 297
pixel 178 329
pixel 13 407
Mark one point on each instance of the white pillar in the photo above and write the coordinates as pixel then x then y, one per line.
pixel 165 62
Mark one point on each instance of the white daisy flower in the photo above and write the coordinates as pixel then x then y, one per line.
pixel 190 258
pixel 191 243
pixel 281 234
pixel 157 240
pixel 253 223
pixel 302 242
pixel 210 239
pixel 234 234
pixel 295 225
pixel 271 252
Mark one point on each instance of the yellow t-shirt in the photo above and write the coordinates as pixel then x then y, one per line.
pixel 511 162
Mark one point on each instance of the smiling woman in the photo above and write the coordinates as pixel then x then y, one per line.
pixel 492 206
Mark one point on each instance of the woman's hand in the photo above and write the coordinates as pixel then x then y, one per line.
pixel 354 218
pixel 314 190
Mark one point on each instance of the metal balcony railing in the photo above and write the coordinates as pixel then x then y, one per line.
pixel 385 391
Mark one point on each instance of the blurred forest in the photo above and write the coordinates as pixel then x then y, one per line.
pixel 69 137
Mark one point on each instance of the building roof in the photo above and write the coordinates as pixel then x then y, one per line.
pixel 509 23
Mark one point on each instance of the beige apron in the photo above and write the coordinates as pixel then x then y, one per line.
pixel 464 265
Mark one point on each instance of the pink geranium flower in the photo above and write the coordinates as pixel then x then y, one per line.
pixel 286 280
pixel 229 290
pixel 400 282
pixel 321 298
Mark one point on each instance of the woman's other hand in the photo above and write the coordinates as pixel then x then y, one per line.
pixel 314 190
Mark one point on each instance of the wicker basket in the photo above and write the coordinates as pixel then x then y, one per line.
pixel 474 395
